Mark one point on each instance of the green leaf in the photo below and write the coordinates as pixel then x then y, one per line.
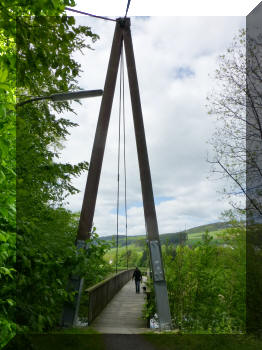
pixel 3 74
pixel 4 86
pixel 2 177
pixel 11 302
pixel 6 271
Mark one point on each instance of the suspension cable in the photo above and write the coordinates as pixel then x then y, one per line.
pixel 95 16
pixel 89 14
pixel 127 7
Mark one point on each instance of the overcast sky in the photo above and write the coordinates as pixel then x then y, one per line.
pixel 174 57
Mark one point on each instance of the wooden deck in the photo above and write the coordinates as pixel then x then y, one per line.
pixel 123 314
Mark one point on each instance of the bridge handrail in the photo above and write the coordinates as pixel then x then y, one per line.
pixel 101 293
pixel 95 286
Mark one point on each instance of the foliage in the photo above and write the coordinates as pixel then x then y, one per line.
pixel 96 250
pixel 144 260
pixel 206 284
pixel 227 103
pixel 7 188
pixel 65 340
pixel 46 253
pixel 46 273
pixel 149 309
pixel 98 269
pixel 203 341
pixel 237 145
pixel 134 256
pixel 177 237
pixel 7 290
pixel 138 249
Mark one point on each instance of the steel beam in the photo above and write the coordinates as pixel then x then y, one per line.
pixel 70 311
pixel 95 166
pixel 146 184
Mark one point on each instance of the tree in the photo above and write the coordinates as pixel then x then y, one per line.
pixel 237 102
pixel 45 230
pixel 7 186
pixel 206 284
pixel 237 144
pixel 46 253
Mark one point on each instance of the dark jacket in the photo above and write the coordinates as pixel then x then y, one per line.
pixel 137 275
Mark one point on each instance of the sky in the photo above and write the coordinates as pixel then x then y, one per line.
pixel 175 59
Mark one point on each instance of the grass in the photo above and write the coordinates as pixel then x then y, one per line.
pixel 203 342
pixel 194 238
pixel 67 339
pixel 163 341
pixel 75 330
pixel 136 253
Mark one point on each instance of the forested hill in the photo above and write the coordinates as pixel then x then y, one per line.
pixel 171 237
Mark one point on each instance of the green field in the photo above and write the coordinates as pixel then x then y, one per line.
pixel 194 235
pixel 137 245
pixel 193 238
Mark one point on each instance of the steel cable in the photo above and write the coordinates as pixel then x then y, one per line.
pixel 127 7
pixel 89 14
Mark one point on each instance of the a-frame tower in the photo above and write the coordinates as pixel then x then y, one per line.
pixel 123 35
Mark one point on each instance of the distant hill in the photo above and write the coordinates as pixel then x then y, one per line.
pixel 210 227
pixel 175 237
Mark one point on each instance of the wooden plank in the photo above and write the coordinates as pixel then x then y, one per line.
pixel 123 315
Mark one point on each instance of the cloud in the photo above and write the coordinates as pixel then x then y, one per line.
pixel 174 57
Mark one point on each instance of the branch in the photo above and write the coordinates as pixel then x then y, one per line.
pixel 241 187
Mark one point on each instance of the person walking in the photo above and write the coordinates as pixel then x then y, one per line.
pixel 137 275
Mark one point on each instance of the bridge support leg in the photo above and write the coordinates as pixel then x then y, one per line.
pixel 70 312
pixel 147 190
